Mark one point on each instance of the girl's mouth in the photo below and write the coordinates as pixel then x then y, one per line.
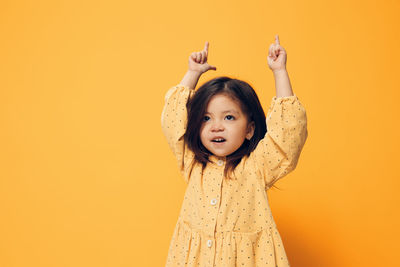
pixel 218 140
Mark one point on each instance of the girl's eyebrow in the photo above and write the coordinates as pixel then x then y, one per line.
pixel 226 111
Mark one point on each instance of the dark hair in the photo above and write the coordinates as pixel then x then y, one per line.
pixel 196 108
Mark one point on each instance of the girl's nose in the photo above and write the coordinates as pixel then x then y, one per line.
pixel 217 126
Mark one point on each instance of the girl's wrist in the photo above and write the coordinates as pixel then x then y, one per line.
pixel 279 71
pixel 191 78
pixel 194 72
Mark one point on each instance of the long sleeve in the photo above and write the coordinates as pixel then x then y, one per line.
pixel 173 123
pixel 278 152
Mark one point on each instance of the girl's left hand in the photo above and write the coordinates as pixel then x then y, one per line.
pixel 276 56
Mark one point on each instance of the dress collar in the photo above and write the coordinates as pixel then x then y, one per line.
pixel 219 161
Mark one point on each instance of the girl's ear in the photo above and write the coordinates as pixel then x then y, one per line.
pixel 250 130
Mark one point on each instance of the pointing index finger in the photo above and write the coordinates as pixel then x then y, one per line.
pixel 277 39
pixel 206 46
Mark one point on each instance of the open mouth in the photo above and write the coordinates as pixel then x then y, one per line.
pixel 218 140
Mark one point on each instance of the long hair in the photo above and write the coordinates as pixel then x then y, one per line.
pixel 196 108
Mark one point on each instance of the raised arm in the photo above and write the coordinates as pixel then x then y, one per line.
pixel 278 152
pixel 190 79
pixel 173 122
pixel 174 114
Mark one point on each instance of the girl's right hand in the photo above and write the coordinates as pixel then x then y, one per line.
pixel 198 61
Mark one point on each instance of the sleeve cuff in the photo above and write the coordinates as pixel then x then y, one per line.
pixel 181 85
pixel 291 99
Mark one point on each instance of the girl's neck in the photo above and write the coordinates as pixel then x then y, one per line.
pixel 219 157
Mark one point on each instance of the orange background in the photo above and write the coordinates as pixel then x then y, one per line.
pixel 87 177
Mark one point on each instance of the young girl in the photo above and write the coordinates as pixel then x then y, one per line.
pixel 228 159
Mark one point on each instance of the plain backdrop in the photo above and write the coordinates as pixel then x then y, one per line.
pixel 86 175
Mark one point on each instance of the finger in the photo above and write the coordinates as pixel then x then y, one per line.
pixel 206 46
pixel 204 57
pixel 193 56
pixel 277 39
pixel 213 67
pixel 273 55
pixel 198 57
pixel 276 50
pixel 270 50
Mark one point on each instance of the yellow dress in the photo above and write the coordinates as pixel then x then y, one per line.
pixel 224 222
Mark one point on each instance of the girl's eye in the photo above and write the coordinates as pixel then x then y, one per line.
pixel 230 117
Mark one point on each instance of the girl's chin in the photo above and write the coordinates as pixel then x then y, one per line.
pixel 218 153
pixel 218 145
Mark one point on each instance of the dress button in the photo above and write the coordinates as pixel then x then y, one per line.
pixel 209 242
pixel 213 201
pixel 220 162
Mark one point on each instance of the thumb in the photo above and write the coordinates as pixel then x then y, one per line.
pixel 213 67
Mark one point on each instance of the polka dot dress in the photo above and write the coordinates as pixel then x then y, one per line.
pixel 225 222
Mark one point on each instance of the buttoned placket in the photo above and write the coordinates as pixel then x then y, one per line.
pixel 213 208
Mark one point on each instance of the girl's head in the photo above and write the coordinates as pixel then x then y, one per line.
pixel 227 109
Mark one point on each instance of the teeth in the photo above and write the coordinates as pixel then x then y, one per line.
pixel 219 139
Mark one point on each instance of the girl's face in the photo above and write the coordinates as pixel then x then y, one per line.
pixel 224 120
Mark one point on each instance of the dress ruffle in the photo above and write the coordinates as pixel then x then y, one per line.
pixel 189 247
